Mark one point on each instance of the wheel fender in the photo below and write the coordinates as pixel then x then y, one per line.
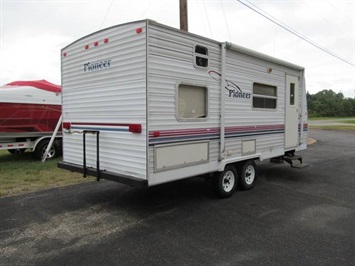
pixel 37 141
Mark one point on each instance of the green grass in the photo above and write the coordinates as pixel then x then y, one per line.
pixel 341 120
pixel 22 173
pixel 342 127
pixel 348 118
pixel 348 121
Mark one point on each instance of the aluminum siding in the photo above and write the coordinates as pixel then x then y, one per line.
pixel 107 99
pixel 244 70
pixel 170 56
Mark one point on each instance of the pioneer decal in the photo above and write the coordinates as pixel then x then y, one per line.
pixel 233 89
pixel 98 65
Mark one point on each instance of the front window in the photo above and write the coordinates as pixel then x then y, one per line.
pixel 264 96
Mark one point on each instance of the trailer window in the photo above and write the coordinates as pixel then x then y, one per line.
pixel 201 56
pixel 292 94
pixel 191 102
pixel 264 96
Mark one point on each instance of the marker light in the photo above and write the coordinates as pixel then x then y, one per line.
pixel 106 40
pixel 135 128
pixel 139 30
pixel 96 43
pixel 156 134
pixel 86 46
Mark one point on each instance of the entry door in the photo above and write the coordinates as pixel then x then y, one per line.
pixel 292 115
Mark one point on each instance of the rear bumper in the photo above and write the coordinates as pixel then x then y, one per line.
pixel 127 180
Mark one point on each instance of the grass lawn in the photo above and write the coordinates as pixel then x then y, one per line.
pixel 21 173
pixel 352 121
pixel 351 128
pixel 349 119
pixel 332 123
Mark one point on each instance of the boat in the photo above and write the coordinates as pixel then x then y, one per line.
pixel 28 109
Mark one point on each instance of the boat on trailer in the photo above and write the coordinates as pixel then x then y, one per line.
pixel 29 108
pixel 29 113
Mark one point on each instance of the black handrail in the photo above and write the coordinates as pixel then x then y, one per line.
pixel 97 133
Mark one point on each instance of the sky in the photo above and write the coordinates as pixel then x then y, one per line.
pixel 33 32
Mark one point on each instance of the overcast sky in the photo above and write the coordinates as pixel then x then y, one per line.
pixel 32 33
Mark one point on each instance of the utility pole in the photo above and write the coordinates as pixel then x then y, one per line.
pixel 183 15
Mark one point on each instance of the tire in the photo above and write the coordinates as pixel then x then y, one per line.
pixel 59 145
pixel 247 175
pixel 41 149
pixel 225 182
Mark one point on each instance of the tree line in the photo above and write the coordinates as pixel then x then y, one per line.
pixel 328 103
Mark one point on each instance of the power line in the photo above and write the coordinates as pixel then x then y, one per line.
pixel 108 10
pixel 225 20
pixel 287 28
pixel 208 21
pixel 146 9
pixel 325 19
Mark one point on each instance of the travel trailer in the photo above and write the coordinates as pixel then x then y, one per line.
pixel 145 104
pixel 29 113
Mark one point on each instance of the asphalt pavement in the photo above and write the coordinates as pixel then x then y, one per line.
pixel 291 217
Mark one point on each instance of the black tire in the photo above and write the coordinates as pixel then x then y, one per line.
pixel 225 182
pixel 41 149
pixel 247 175
pixel 17 151
pixel 59 145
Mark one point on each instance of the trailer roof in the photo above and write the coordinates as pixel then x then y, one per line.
pixel 229 45
pixel 239 49
pixel 247 51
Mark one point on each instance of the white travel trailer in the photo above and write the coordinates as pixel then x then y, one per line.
pixel 145 104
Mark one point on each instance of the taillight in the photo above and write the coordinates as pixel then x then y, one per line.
pixel 67 125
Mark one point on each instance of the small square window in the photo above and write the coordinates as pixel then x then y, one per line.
pixel 201 50
pixel 201 56
pixel 202 62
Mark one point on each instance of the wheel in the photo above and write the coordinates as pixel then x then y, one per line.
pixel 42 147
pixel 17 151
pixel 225 182
pixel 247 175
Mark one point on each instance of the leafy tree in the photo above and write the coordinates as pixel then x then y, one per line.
pixel 328 103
